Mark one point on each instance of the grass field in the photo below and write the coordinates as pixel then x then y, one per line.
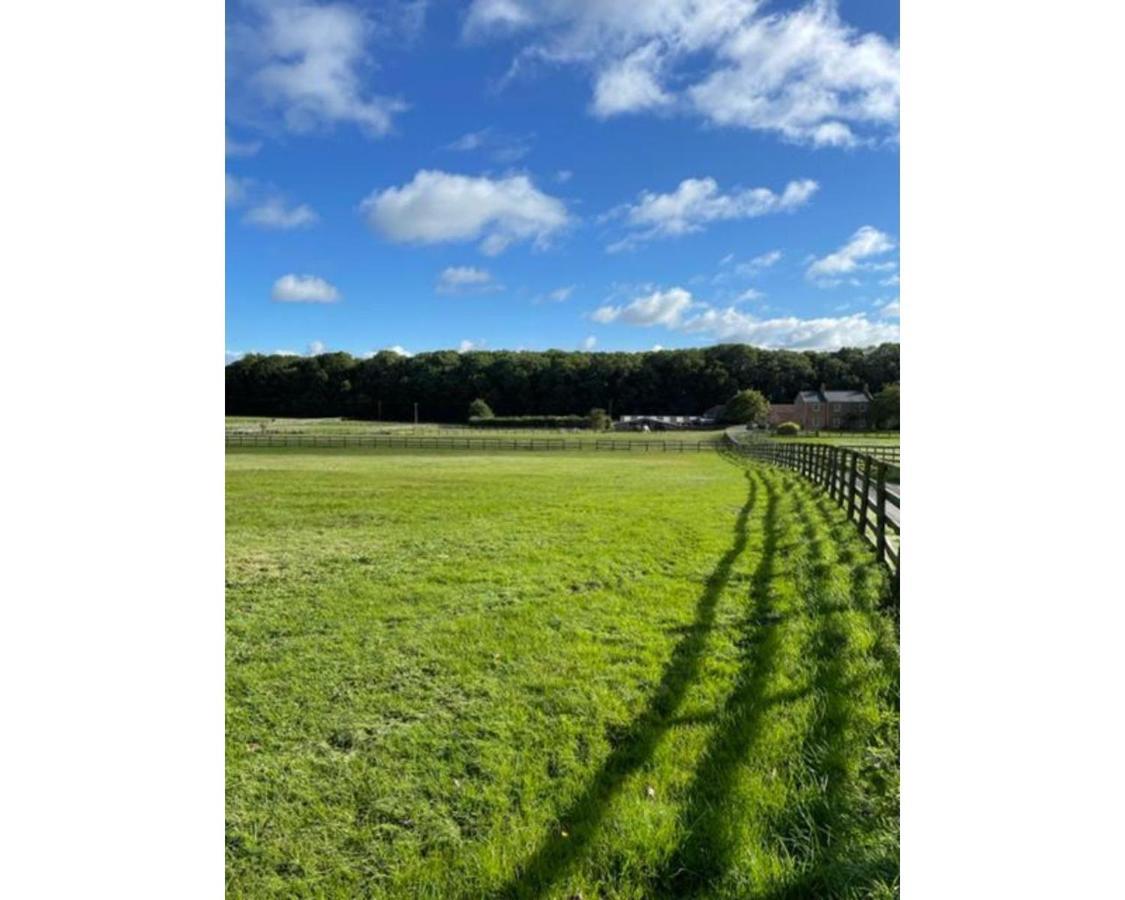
pixel 844 438
pixel 565 675
pixel 258 425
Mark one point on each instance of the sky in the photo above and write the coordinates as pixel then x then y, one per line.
pixel 567 174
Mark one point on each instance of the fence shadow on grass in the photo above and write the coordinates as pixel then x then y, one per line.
pixel 706 851
pixel 555 854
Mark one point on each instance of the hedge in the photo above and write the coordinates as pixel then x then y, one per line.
pixel 531 422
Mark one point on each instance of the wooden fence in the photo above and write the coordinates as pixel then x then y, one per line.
pixel 855 480
pixel 267 439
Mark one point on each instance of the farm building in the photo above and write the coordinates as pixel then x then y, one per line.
pixel 662 422
pixel 782 412
pixel 838 410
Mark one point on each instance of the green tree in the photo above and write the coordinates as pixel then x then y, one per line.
pixel 599 420
pixel 478 409
pixel 748 407
pixel 884 407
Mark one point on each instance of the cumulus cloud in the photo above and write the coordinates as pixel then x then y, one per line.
pixel 466 346
pixel 862 245
pixel 455 279
pixel 304 289
pixel 306 62
pixel 396 349
pixel 697 202
pixel 233 356
pixel 275 213
pixel 802 73
pixel 658 308
pixel 437 207
pixel 676 310
pixel 630 84
pixel 316 348
pixel 590 343
pixel 822 333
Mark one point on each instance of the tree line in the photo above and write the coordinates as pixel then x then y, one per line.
pixel 552 382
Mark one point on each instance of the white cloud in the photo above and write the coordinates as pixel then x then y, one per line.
pixel 890 281
pixel 242 148
pixel 396 349
pixel 657 347
pixel 462 278
pixel 304 289
pixel 503 148
pixel 865 243
pixel 671 309
pixel 558 295
pixel 749 294
pixel 307 62
pixel 697 202
pixel 803 73
pixel 267 207
pixel 437 206
pixel 316 348
pixel 274 213
pixel 764 260
pixel 630 84
pixel 562 176
pixel 466 346
pixel 822 333
pixel 590 343
pixel 888 309
pixel 233 356
pixel 658 308
pixel 237 189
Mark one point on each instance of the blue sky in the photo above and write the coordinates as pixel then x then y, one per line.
pixel 538 174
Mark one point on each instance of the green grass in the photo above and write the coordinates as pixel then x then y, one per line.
pixel 847 438
pixel 265 425
pixel 525 675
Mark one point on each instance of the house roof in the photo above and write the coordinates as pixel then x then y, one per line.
pixel 845 396
pixel 833 396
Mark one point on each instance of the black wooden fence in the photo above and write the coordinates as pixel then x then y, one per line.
pixel 855 480
pixel 439 442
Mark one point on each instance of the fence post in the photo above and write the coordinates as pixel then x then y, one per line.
pixel 865 500
pixel 881 514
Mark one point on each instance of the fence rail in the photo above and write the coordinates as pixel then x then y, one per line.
pixel 855 480
pixel 439 442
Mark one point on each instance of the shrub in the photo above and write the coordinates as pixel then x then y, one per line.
pixel 599 420
pixel 478 409
pixel 789 428
pixel 746 408
pixel 531 422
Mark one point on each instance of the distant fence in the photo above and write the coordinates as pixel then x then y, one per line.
pixel 409 442
pixel 879 451
pixel 854 479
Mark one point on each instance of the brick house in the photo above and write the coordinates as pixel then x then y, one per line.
pixel 782 412
pixel 836 410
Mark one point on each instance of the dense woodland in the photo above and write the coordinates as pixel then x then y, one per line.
pixel 444 383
